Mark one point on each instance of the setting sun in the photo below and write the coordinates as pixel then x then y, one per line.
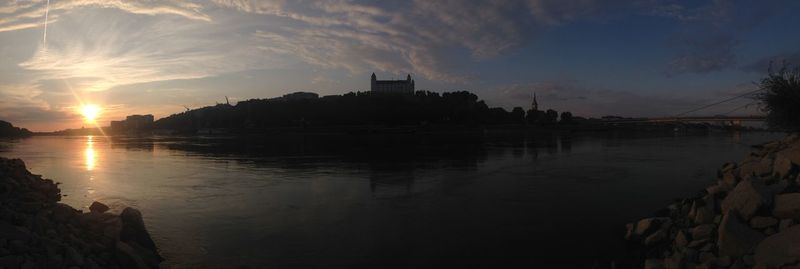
pixel 90 112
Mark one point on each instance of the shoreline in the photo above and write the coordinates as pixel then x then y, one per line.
pixel 36 231
pixel 748 219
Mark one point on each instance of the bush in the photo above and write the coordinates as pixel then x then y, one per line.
pixel 780 95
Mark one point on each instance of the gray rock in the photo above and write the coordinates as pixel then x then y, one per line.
pixel 787 206
pixel 10 232
pixel 128 258
pixel 785 224
pixel 681 239
pixel 729 180
pixel 73 257
pixel 748 196
pixel 782 167
pixel 676 261
pixel 761 167
pixel 654 264
pixel 736 238
pixel 10 261
pixel 702 231
pixel 728 167
pixel 698 243
pixel 749 260
pixel 723 261
pixel 62 212
pixel 98 207
pixel 760 222
pixel 704 215
pixel 133 230
pixel 792 154
pixel 780 248
pixel 655 238
pixel 707 257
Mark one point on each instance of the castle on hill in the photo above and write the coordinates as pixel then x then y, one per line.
pixel 392 86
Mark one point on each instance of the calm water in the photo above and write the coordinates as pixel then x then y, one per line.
pixel 393 201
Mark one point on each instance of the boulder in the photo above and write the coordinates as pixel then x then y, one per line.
pixel 654 264
pixel 655 238
pixel 128 258
pixel 729 180
pixel 759 168
pixel 702 231
pixel 98 207
pixel 785 224
pixel 73 256
pixel 133 229
pixel 759 222
pixel 791 153
pixel 787 206
pixel 676 261
pixel 736 238
pixel 747 197
pixel 780 248
pixel 782 167
pixel 10 232
pixel 644 227
pixel 704 215
pixel 681 240
pixel 63 213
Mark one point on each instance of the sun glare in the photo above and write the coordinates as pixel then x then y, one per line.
pixel 90 112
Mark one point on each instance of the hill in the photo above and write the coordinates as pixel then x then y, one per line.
pixel 354 108
pixel 8 130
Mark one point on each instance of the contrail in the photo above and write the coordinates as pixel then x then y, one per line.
pixel 46 12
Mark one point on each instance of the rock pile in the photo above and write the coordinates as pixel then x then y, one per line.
pixel 746 220
pixel 38 232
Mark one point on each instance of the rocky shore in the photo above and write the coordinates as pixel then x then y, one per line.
pixel 748 219
pixel 36 231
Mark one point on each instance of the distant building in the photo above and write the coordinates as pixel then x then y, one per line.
pixel 392 86
pixel 132 123
pixel 300 96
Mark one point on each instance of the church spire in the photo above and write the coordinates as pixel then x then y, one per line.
pixel 534 104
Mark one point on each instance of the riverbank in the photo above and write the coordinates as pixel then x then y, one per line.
pixel 36 231
pixel 747 219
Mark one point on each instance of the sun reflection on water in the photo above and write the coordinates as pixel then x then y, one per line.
pixel 89 154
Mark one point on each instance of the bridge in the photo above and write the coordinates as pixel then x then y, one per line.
pixel 682 118
pixel 732 121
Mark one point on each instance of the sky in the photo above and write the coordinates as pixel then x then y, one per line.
pixel 591 57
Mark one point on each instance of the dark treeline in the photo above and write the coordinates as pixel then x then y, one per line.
pixel 8 130
pixel 360 108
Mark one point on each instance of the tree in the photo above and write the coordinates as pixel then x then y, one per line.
pixel 518 115
pixel 566 117
pixel 780 95
pixel 551 116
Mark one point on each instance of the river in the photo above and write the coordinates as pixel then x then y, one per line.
pixel 385 201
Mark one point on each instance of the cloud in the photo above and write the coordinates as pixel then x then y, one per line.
pixel 126 50
pixel 711 33
pixel 763 65
pixel 16 13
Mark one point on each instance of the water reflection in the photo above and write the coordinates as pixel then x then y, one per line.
pixel 89 154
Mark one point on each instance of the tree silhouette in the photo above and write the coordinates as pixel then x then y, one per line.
pixel 781 98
